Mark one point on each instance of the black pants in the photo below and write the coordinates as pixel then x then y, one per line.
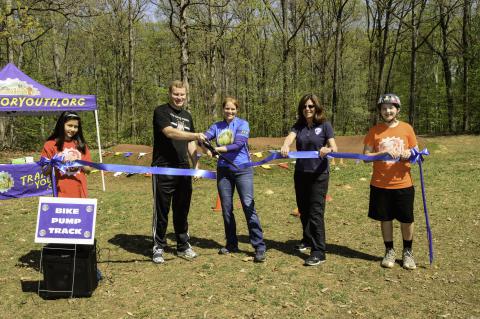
pixel 177 191
pixel 310 192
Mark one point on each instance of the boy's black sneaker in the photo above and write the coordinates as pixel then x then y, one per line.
pixel 302 247
pixel 314 261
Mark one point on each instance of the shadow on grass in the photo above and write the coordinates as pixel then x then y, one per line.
pixel 142 245
pixel 350 253
pixel 29 285
pixel 30 260
pixel 136 244
pixel 288 247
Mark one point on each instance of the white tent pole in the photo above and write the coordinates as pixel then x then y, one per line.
pixel 99 148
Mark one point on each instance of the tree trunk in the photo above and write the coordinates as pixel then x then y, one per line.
pixel 336 62
pixel 184 44
pixel 466 62
pixel 285 54
pixel 3 119
pixel 413 67
pixel 131 69
pixel 446 67
pixel 56 54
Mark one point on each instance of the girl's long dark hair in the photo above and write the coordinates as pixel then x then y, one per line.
pixel 58 134
pixel 320 114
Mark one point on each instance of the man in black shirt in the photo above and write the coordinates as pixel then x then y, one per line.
pixel 174 143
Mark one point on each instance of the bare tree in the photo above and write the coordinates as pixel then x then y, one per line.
pixel 445 14
pixel 381 17
pixel 338 7
pixel 466 62
pixel 287 35
pixel 179 26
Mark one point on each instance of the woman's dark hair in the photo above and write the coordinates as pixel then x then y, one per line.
pixel 58 134
pixel 320 114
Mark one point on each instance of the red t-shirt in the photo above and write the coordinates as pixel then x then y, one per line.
pixel 391 174
pixel 74 182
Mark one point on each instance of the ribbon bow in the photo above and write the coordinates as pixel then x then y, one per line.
pixel 56 161
pixel 417 156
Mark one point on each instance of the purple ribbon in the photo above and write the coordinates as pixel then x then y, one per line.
pixel 55 162
pixel 314 154
pixel 417 157
pixel 149 169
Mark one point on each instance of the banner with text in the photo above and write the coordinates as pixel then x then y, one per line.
pixel 23 180
pixel 64 220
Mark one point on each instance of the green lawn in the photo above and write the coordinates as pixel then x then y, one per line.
pixel 350 285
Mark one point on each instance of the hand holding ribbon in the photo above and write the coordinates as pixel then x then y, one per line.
pixel 417 156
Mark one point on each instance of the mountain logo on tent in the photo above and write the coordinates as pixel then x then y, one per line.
pixel 6 182
pixel 17 87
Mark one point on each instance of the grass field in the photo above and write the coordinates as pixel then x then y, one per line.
pixel 350 285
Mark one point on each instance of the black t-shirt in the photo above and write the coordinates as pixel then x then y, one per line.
pixel 166 151
pixel 312 139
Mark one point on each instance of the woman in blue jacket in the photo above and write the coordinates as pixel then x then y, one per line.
pixel 231 136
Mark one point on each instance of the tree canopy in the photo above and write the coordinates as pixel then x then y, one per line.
pixel 266 53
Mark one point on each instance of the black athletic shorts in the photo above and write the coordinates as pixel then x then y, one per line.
pixel 389 204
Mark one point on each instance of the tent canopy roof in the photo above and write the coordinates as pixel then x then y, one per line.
pixel 19 93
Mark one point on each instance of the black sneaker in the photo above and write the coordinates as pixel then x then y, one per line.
pixel 302 247
pixel 314 261
pixel 226 251
pixel 260 256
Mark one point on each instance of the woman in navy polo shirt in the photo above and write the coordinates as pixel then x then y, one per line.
pixel 231 136
pixel 312 132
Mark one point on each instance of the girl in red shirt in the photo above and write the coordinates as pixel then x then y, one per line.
pixel 67 140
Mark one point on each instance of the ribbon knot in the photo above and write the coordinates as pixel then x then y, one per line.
pixel 56 161
pixel 418 155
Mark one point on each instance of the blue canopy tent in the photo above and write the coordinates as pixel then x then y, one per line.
pixel 21 95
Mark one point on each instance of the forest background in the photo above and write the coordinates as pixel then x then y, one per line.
pixel 267 53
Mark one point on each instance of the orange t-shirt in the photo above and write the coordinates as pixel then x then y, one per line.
pixel 391 174
pixel 74 182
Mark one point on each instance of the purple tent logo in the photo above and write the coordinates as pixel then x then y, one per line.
pixel 17 87
pixel 6 182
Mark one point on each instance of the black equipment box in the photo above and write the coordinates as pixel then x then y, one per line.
pixel 68 268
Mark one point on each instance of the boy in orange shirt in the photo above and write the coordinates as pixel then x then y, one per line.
pixel 391 187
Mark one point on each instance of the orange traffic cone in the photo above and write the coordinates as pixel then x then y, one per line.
pixel 295 212
pixel 283 165
pixel 218 205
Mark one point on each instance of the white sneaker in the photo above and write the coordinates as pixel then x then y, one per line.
pixel 187 253
pixel 388 260
pixel 407 258
pixel 158 256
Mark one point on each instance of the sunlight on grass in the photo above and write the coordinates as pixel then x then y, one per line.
pixel 351 283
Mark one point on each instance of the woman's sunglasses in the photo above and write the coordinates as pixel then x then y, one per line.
pixel 310 106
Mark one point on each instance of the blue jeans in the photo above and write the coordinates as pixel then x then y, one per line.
pixel 227 180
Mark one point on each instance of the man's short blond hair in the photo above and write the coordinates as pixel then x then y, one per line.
pixel 176 84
